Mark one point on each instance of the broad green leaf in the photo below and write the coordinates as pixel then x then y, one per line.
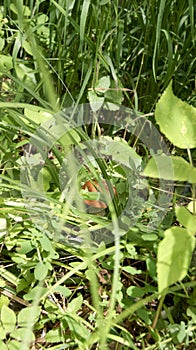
pixel 8 319
pixel 174 256
pixel 103 84
pixel 28 316
pixel 26 75
pixel 76 326
pixel 192 206
pixel 20 333
pixel 135 292
pixel 36 114
pixel 70 137
pixel 14 345
pixel 96 101
pixel 47 246
pixel 27 47
pixel 24 246
pixel 54 336
pixel 3 346
pixel 44 178
pixel 26 10
pixel 3 299
pixel 114 94
pixel 186 219
pixel 5 63
pixel 149 237
pixel 45 243
pixel 169 168
pixel 66 292
pixel 75 304
pixel 41 271
pixel 132 270
pixel 121 152
pixel 177 119
pixel 36 293
pixel 192 176
pixel 182 332
pixel 2 333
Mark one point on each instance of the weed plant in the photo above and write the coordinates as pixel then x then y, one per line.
pixel 65 284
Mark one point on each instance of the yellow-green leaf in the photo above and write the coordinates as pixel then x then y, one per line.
pixel 177 119
pixel 174 256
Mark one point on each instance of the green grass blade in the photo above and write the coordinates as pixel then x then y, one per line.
pixel 83 18
pixel 157 40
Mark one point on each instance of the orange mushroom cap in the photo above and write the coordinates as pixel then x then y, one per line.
pixel 93 186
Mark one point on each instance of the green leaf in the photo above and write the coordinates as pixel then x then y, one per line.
pixel 3 346
pixel 75 325
pixel 135 292
pixel 131 270
pixel 3 299
pixel 28 316
pixel 45 243
pixel 54 336
pixel 66 292
pixel 149 237
pixel 174 256
pixel 3 226
pixel 114 94
pixel 69 138
pixel 36 293
pixel 44 178
pixel 19 334
pixel 36 114
pixel 103 84
pixel 192 176
pixel 2 333
pixel 192 206
pixel 186 219
pixel 8 319
pixel 96 101
pixel 176 119
pixel 2 44
pixel 169 168
pixel 41 271
pixel 5 63
pixel 26 10
pixel 26 75
pixel 47 246
pixel 75 304
pixel 121 152
pixel 14 345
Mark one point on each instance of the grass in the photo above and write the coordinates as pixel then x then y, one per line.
pixel 71 277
